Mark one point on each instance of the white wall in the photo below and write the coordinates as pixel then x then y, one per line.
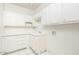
pixel 1 17
pixel 1 28
pixel 65 40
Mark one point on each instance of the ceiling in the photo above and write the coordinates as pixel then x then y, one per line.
pixel 32 6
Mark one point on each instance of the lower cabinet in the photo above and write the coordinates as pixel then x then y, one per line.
pixel 15 43
pixel 38 43
pixel 1 44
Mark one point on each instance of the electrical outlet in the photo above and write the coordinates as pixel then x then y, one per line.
pixel 53 32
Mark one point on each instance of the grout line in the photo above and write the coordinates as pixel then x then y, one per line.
pixel 43 51
pixel 36 52
pixel 33 51
pixel 6 53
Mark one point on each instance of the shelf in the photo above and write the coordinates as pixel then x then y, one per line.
pixel 64 23
pixel 71 22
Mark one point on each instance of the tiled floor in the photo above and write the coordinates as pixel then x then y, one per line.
pixel 26 52
pixel 23 52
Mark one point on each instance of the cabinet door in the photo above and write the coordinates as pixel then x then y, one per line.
pixel 10 44
pixel 21 41
pixel 71 11
pixel 13 19
pixel 15 43
pixel 52 14
pixel 38 44
pixel 1 45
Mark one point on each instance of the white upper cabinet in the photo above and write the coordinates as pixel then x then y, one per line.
pixel 70 11
pixel 13 19
pixel 52 14
pixel 15 15
pixel 59 13
pixel 12 16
